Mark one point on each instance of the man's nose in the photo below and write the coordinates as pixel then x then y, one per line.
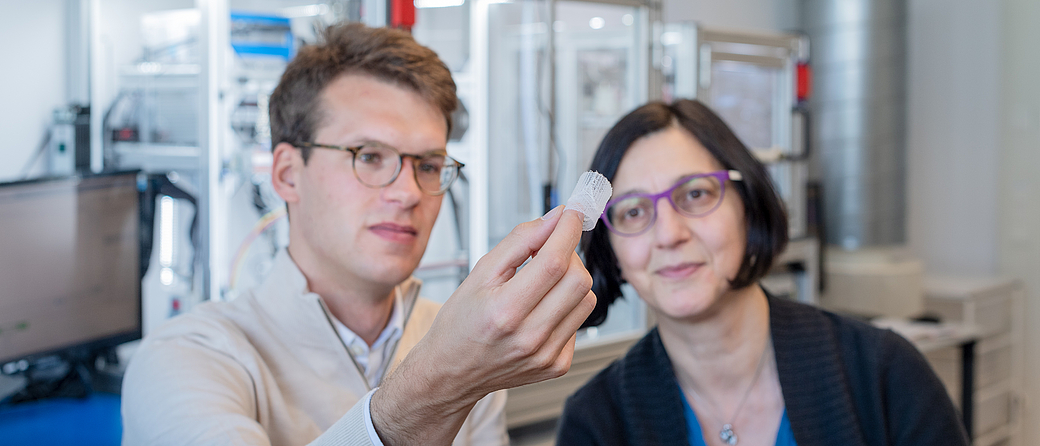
pixel 405 188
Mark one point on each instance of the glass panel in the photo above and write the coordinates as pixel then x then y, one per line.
pixel 518 130
pixel 601 61
pixel 744 95
pixel 600 64
pixel 679 61
pixel 753 101
pixel 600 76
pixel 444 27
pixel 445 30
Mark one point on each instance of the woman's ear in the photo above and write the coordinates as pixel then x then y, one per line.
pixel 285 168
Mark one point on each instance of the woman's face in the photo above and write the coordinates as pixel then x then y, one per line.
pixel 681 266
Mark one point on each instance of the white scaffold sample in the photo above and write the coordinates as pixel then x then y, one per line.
pixel 590 196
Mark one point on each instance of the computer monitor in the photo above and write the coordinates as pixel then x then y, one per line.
pixel 70 253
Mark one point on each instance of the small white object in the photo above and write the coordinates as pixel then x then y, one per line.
pixel 590 196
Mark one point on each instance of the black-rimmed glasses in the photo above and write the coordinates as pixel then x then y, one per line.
pixel 692 196
pixel 378 165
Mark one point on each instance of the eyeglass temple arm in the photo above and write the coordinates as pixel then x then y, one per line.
pixel 735 175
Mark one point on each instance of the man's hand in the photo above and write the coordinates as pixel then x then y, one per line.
pixel 502 328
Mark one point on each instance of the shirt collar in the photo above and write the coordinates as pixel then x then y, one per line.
pixel 394 326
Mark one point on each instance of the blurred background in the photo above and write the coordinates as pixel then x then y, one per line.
pixel 900 133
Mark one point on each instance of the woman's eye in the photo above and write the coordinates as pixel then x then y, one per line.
pixel 696 194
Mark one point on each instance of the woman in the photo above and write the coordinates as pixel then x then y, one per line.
pixel 693 224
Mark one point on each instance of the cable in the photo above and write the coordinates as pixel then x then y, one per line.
pixel 47 133
pixel 261 225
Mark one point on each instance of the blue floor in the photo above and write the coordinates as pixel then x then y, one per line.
pixel 92 421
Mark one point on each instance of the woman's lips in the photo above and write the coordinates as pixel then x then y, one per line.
pixel 394 232
pixel 680 271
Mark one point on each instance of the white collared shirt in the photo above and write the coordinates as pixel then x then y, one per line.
pixel 373 360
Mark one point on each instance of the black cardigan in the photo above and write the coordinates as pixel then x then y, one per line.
pixel 844 383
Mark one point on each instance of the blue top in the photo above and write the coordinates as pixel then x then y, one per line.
pixel 784 436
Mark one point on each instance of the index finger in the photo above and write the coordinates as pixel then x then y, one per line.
pixel 499 265
pixel 550 264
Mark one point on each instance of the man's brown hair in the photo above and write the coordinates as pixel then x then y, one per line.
pixel 386 54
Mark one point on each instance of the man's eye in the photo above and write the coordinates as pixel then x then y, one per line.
pixel 370 158
pixel 429 168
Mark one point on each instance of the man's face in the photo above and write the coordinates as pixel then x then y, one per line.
pixel 349 231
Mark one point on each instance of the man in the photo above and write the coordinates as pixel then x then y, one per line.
pixel 359 126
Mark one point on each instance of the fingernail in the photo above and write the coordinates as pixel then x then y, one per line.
pixel 552 213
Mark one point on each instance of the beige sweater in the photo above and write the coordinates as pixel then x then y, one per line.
pixel 268 368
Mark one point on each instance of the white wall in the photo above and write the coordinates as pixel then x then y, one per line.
pixel 32 80
pixel 1019 193
pixel 953 138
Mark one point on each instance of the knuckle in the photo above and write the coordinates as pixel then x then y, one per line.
pixel 584 283
pixel 555 267
pixel 504 322
pixel 588 303
pixel 544 361
pixel 560 367
pixel 528 349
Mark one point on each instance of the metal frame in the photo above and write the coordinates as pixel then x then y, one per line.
pixel 214 36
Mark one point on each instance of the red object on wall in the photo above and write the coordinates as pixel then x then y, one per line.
pixel 402 14
pixel 804 81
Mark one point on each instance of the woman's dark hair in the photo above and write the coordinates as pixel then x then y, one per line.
pixel 764 215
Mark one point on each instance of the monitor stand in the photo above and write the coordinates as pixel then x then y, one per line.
pixel 10 385
pixel 70 377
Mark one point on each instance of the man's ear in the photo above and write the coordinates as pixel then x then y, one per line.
pixel 285 168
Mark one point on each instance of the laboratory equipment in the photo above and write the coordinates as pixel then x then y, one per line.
pixel 69 146
pixel 185 99
pixel 70 262
pixel 751 79
pixel 759 83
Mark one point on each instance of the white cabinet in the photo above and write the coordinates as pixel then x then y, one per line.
pixel 994 307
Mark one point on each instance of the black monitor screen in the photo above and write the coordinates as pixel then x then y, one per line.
pixel 69 264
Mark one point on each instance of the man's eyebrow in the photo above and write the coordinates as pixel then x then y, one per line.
pixel 433 151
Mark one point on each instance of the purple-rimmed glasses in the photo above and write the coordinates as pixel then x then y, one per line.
pixel 693 196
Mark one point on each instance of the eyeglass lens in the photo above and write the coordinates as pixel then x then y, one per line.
pixel 378 165
pixel 695 197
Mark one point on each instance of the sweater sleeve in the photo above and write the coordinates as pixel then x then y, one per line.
pixel 919 411
pixel 353 429
pixel 176 392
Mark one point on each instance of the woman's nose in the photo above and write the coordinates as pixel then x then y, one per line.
pixel 671 228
